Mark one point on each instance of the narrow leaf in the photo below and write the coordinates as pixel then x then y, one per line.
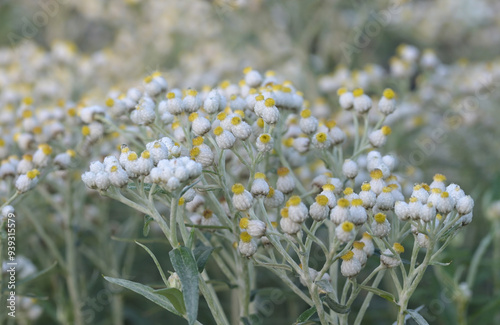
pixel 147 221
pixel 176 298
pixel 36 275
pixel 146 292
pixel 158 266
pixel 335 306
pixel 201 254
pixel 325 285
pixel 417 317
pixel 185 265
pixel 381 293
pixel 306 315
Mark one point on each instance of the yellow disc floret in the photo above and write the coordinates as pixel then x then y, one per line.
pixel 347 226
pixel 328 187
pixel 265 138
pixel 170 95
pixel 347 256
pixel 343 203
pixel 194 152
pixel 380 218
pixel 218 130
pixel 295 200
pixel 260 122
pixel 85 130
pixel 341 91
pixel 389 93
pixel 245 237
pixel 237 188
pixel 145 154
pixel 348 191
pixel 283 171
pixel 192 92
pixel 376 174
pixel 358 245
pixel 33 173
pixel 366 187
pixel 398 248
pixel 322 200
pixel 284 213
pixel 305 113
pixel 192 117
pixel 109 102
pixel 269 102
pixel 260 176
pixel 132 156
pixel 198 141
pixel 244 223
pixel 236 120
pixel 356 202
pixel 321 137
pixel 439 178
pixel 358 92
pixel 386 130
pixel 445 195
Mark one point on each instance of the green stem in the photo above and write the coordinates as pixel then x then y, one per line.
pixel 368 298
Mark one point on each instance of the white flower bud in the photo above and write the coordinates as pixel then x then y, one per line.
pixel 260 187
pixel 297 211
pixel 350 169
pixel 465 205
pixel 242 199
pixel 274 199
pixel 345 232
pixel 380 226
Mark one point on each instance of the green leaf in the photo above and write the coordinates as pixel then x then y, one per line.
pixel 381 293
pixel 335 306
pixel 417 317
pixel 306 315
pixel 158 266
pixel 147 221
pixel 201 254
pixel 176 298
pixel 146 292
pixel 36 275
pixel 187 269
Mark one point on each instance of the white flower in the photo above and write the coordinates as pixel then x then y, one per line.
pixel 357 213
pixel 346 98
pixel 401 209
pixel 118 176
pixel 319 210
pixel 308 123
pixel 321 140
pixel 25 165
pixel 377 184
pixel 465 205
pixel 252 77
pixel 225 139
pixel 445 204
pixel 158 151
pixel 260 187
pixel 368 196
pixel 255 228
pixel 88 114
pixel 144 112
pixel 242 199
pixel 369 247
pixel 415 208
pixel 191 103
pixel 200 125
pixel 297 211
pixel 329 192
pixel 350 266
pixel 144 163
pixel 173 104
pixel 438 182
pixel 385 200
pixel 210 219
pixel 362 103
pixel 197 202
pixel 340 213
pixel 359 252
pixel 63 160
pixel 288 225
pixel 274 199
pixel 151 86
pixel 423 240
pixel 285 182
pixel 427 212
pixel 102 180
pixel 387 257
pixel 350 169
pixel 455 191
pixel 378 137
pixel 420 193
pixel 247 246
pixel 380 226
pixel 336 134
pixel 26 182
pixel 240 129
pixel 387 103
pixel 213 102
pixel 202 154
pixel 42 155
pixel 270 113
pixel 345 232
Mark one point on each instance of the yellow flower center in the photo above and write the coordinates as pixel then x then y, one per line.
pixel 33 173
pixel 192 92
pixel 348 191
pixel 356 202
pixel 376 174
pixel 132 156
pixel 358 92
pixel 85 130
pixel 283 171
pixel 170 95
pixel 305 113
pixel 341 91
pixel 386 130
pixel 236 120
pixel 322 200
pixel 194 152
pixel 398 248
pixel 389 93
pixel 295 200
pixel 347 256
pixel 238 188
pixel 110 102
pixel 192 117
pixel 358 245
pixel 218 130
pixel 145 154
pixel 284 213
pixel 197 141
pixel 366 187
pixel 269 102
pixel 347 226
pixel 328 187
pixel 260 176
pixel 321 137
pixel 343 203
pixel 439 178
pixel 265 138
pixel 380 218
pixel 244 223
pixel 245 237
